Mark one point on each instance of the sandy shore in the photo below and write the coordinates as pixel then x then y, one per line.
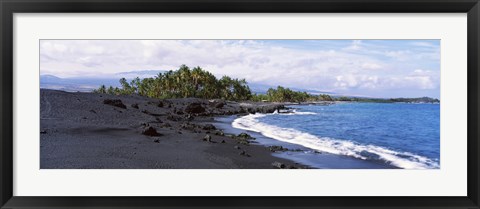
pixel 87 130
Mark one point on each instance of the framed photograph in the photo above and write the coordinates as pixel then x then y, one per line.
pixel 239 104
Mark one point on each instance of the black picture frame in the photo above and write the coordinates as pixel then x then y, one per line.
pixel 9 7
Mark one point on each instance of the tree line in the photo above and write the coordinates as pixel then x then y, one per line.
pixel 183 83
pixel 199 83
pixel 281 94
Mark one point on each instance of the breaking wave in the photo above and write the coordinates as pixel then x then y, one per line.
pixel 294 112
pixel 405 160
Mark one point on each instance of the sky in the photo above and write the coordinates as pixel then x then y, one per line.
pixel 371 68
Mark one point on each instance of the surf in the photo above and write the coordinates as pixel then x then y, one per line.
pixel 406 160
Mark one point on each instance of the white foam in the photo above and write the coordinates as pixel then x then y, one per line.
pixel 405 160
pixel 294 112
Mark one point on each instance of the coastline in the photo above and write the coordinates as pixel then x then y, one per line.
pixel 365 142
pixel 91 130
pixel 94 131
pixel 300 154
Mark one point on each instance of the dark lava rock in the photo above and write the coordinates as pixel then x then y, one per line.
pixel 195 108
pixel 209 127
pixel 278 164
pixel 150 131
pixel 277 148
pixel 160 104
pixel 245 136
pixel 236 147
pixel 223 141
pixel 219 133
pixel 115 102
pixel 43 132
pixel 93 111
pixel 217 103
pixel 251 110
pixel 156 140
pixel 135 106
pixel 242 111
pixel 270 108
pixel 179 112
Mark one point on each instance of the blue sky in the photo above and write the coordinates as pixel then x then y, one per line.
pixel 375 68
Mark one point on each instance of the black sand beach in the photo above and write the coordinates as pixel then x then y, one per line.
pixel 94 131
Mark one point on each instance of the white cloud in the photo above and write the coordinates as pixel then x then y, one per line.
pixel 356 45
pixel 423 82
pixel 343 68
pixel 371 66
pixel 399 55
pixel 357 81
pixel 424 79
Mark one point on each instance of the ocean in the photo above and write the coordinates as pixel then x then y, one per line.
pixel 353 135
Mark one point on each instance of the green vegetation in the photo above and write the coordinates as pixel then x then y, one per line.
pixel 362 99
pixel 416 100
pixel 183 83
pixel 281 94
pixel 196 82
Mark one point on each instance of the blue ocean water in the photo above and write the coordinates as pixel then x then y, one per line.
pixel 398 134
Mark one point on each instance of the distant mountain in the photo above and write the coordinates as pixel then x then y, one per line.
pixel 140 74
pixel 82 84
pixel 49 79
pixel 86 84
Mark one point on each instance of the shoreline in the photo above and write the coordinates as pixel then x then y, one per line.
pixel 91 130
pixel 300 154
pixel 94 131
